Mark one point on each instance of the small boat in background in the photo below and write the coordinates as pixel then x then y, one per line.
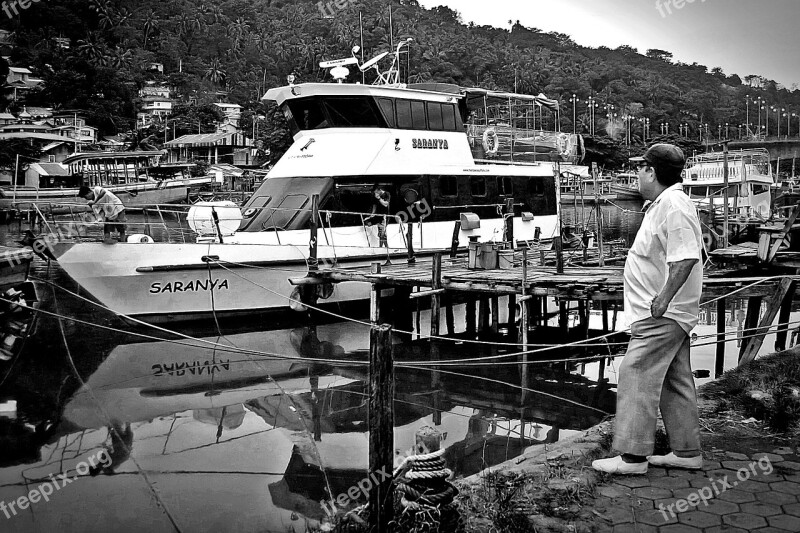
pixel 625 186
pixel 136 177
pixel 17 297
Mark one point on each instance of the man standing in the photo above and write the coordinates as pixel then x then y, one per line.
pixel 107 208
pixel 663 283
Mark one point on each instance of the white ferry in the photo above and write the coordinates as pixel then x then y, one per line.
pixel 750 182
pixel 410 140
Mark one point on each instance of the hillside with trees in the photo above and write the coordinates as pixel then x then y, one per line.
pixel 96 55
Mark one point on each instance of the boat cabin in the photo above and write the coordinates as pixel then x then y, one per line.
pixel 112 168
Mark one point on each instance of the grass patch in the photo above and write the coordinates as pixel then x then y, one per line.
pixel 552 500
pixel 767 389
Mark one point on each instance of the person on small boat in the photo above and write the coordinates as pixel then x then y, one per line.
pixel 107 208
pixel 380 212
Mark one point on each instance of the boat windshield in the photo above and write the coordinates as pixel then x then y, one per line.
pixel 320 112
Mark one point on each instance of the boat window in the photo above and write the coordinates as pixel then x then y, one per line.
pixel 256 206
pixel 435 120
pixel 305 114
pixel 404 114
pixel 449 121
pixel 418 116
pixel 760 189
pixel 477 185
pixel 536 186
pixel 353 112
pixel 505 186
pixel 448 186
pixel 283 214
pixel 387 108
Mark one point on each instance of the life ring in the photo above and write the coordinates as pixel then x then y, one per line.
pixel 491 142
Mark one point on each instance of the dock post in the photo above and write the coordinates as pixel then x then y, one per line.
pixel 512 316
pixel 375 297
pixel 381 425
pixel 449 317
pixel 313 261
pixel 751 345
pixel 455 242
pixel 436 300
pixel 404 313
pixel 557 244
pixel 410 243
pixel 471 318
pixel 563 317
pixel 495 314
pixel 719 360
pixel 783 320
pixel 524 325
pixel 483 314
pixel 604 311
pixel 509 223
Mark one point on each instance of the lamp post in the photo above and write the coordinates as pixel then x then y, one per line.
pixel 766 119
pixel 591 106
pixel 574 101
pixel 758 101
pixel 798 123
pixel 706 125
pixel 788 125
pixel 747 120
pixel 740 131
pixel 727 131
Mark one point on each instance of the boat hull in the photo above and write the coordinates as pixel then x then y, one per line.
pixel 250 272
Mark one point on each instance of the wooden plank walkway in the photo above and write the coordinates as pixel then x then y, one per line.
pixel 575 283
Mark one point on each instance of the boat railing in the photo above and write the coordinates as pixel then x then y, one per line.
pixel 168 223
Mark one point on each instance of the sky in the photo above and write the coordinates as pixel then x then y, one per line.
pixel 742 37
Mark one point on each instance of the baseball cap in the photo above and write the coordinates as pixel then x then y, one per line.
pixel 665 154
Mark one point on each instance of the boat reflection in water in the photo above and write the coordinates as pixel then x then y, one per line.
pixel 265 440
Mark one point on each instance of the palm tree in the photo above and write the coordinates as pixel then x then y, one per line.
pixel 215 71
pixel 150 24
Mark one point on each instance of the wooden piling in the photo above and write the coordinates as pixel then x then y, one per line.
pixel 751 345
pixel 436 299
pixel 719 360
pixel 512 316
pixel 455 242
pixel 449 316
pixel 381 426
pixel 483 314
pixel 524 326
pixel 783 320
pixel 508 230
pixel 313 260
pixel 410 243
pixel 374 297
pixel 471 318
pixel 558 246
pixel 495 314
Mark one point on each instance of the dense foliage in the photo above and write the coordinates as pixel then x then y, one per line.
pixel 236 49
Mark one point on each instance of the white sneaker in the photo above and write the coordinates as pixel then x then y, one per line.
pixel 673 461
pixel 615 465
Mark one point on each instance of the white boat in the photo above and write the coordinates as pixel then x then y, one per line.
pixel 410 140
pixel 750 182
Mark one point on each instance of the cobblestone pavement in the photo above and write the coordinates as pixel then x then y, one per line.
pixel 734 492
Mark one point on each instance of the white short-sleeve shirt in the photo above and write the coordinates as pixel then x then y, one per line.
pixel 670 233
